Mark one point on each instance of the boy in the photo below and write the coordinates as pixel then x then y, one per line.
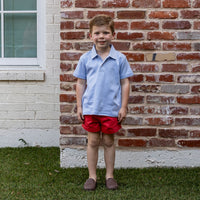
pixel 102 92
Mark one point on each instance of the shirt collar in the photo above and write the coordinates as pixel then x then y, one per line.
pixel 112 53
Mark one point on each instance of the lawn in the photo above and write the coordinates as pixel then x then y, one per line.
pixel 35 173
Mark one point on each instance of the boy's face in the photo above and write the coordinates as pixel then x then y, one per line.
pixel 102 37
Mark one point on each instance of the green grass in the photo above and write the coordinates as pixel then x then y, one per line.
pixel 35 173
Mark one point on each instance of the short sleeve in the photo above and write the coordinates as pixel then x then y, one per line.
pixel 125 69
pixel 80 71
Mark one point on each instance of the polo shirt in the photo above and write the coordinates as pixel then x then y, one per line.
pixel 103 92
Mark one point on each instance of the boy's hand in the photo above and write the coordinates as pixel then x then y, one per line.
pixel 122 114
pixel 80 114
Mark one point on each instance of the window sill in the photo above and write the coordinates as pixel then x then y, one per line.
pixel 22 74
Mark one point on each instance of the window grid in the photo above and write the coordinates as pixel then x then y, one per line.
pixel 16 61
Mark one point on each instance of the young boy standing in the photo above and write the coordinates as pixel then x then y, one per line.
pixel 102 92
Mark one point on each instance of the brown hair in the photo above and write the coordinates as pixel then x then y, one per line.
pixel 101 20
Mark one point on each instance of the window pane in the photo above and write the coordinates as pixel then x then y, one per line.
pixel 20 36
pixel 20 4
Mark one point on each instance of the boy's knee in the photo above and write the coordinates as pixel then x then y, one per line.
pixel 94 142
pixel 108 142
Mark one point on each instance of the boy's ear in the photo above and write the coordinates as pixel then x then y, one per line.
pixel 90 35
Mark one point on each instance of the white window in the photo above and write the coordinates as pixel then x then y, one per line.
pixel 22 32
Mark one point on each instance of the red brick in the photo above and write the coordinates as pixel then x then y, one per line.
pixel 72 15
pixel 130 36
pixel 196 4
pixel 70 98
pixel 146 132
pixel 160 36
pixel 174 68
pixel 160 78
pixel 64 130
pixel 189 143
pixel 137 78
pixel 131 14
pixel 190 14
pixel 176 3
pixel 65 66
pixel 121 25
pixel 121 46
pixel 143 25
pixel 146 46
pixel 87 4
pixel 187 121
pixel 136 99
pixel 163 14
pixel 66 25
pixel 197 25
pixel 134 57
pixel 115 4
pixel 66 108
pixel 173 133
pixel 195 89
pixel 159 121
pixel 91 13
pixel 70 56
pixel 67 78
pixel 82 25
pixel 160 99
pixel 188 99
pixel 196 69
pixel 177 46
pixel 66 46
pixel 66 3
pixel 188 56
pixel 195 133
pixel 78 130
pixel 145 110
pixel 146 3
pixel 132 142
pixel 144 67
pixel 176 25
pixel 72 35
pixel 157 142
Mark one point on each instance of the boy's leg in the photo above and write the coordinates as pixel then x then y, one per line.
pixel 92 153
pixel 109 154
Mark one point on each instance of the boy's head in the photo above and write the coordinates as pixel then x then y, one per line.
pixel 102 20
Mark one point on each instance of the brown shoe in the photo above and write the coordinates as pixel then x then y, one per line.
pixel 90 184
pixel 111 184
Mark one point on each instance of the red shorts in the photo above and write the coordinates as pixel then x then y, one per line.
pixel 97 123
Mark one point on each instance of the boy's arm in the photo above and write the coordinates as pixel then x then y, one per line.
pixel 80 89
pixel 125 87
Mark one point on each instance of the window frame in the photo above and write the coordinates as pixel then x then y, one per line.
pixel 27 62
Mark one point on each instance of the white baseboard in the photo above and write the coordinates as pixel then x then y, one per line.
pixel 135 158
pixel 29 137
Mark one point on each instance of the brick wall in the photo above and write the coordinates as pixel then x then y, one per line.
pixel 161 40
pixel 29 96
